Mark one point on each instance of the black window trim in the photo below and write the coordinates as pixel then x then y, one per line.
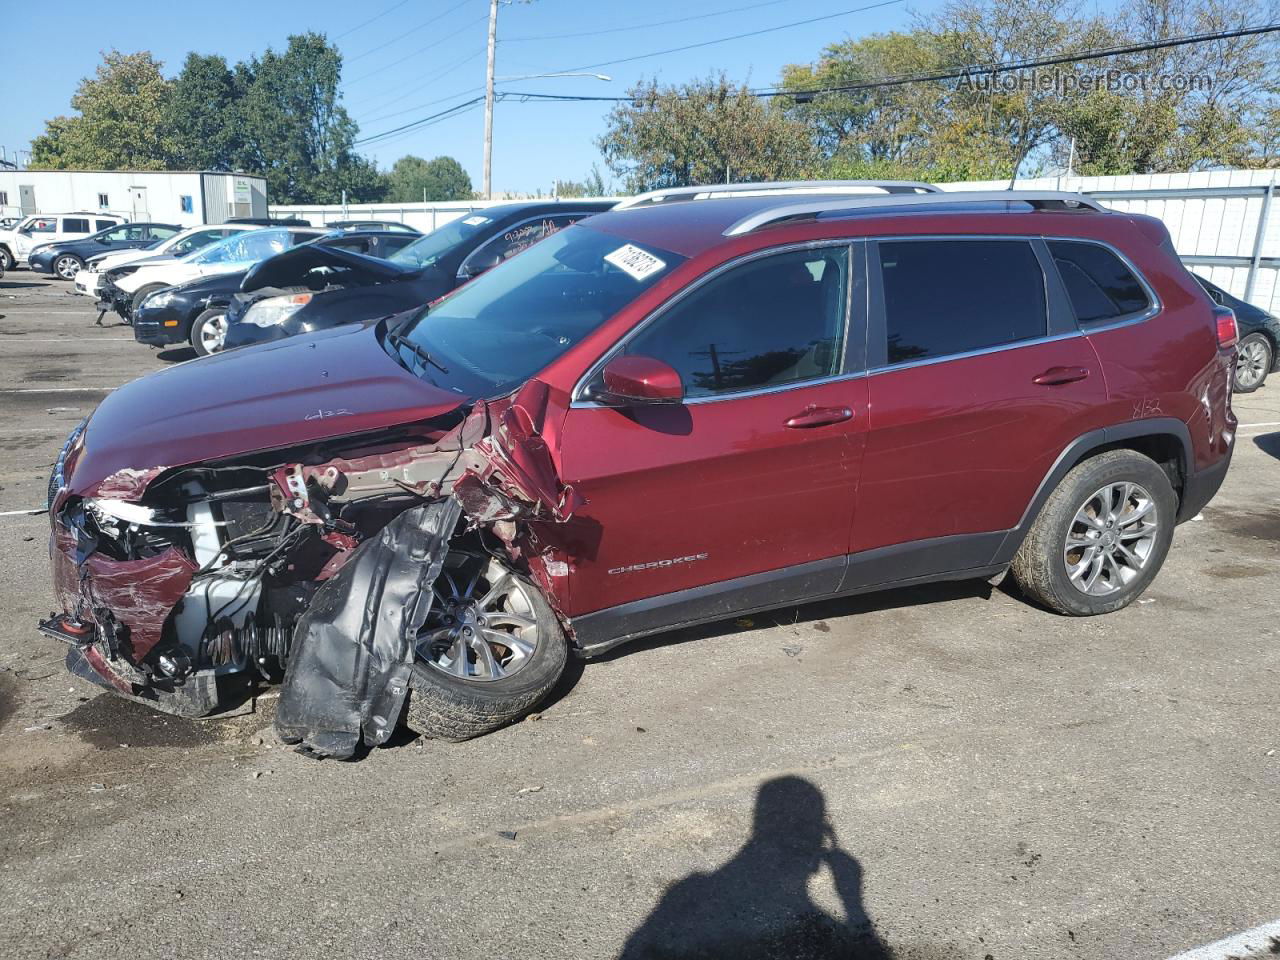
pixel 853 350
pixel 1154 306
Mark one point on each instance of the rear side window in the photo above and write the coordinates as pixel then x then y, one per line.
pixel 1100 286
pixel 769 322
pixel 944 297
pixel 75 225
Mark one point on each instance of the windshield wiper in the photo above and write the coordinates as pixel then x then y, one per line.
pixel 400 340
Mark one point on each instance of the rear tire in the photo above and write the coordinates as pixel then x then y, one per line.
pixel 6 259
pixel 1101 537
pixel 1254 356
pixel 209 332
pixel 446 706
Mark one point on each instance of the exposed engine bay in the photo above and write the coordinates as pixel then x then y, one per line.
pixel 187 588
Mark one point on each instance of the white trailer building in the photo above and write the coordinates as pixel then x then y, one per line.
pixel 186 198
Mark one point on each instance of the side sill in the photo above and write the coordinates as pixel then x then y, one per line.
pixel 961 557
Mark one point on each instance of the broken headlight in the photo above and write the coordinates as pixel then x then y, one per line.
pixel 58 478
pixel 273 311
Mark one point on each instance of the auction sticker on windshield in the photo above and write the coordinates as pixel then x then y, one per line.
pixel 475 221
pixel 635 262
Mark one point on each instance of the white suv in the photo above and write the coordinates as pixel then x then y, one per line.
pixel 43 228
pixel 89 280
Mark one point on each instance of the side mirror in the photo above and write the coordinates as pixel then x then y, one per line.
pixel 633 380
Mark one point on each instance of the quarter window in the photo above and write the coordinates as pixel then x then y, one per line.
pixel 766 323
pixel 944 297
pixel 1100 286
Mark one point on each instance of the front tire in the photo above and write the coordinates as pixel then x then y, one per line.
pixel 1254 356
pixel 67 266
pixel 490 651
pixel 6 260
pixel 141 294
pixel 209 332
pixel 1101 537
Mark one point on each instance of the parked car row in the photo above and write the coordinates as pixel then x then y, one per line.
pixel 701 403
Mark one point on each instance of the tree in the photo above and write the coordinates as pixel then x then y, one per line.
pixel 707 131
pixel 203 115
pixel 415 179
pixel 121 123
pixel 295 131
pixel 592 185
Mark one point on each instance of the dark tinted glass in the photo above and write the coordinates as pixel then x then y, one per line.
pixel 943 297
pixel 104 224
pixel 75 225
pixel 1100 286
pixel 769 322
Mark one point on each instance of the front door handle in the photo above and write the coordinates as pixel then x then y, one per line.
pixel 1056 376
pixel 815 416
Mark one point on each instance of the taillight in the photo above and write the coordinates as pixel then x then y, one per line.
pixel 1228 334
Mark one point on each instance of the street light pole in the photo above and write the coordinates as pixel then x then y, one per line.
pixel 488 101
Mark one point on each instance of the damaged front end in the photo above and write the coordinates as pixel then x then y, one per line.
pixel 188 588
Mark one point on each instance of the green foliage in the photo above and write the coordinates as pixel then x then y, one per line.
pixel 592 185
pixel 415 179
pixel 706 131
pixel 278 115
pixel 122 122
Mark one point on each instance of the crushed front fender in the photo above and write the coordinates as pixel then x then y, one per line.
pixel 348 672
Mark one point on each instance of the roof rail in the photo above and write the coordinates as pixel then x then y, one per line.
pixel 712 190
pixel 1037 199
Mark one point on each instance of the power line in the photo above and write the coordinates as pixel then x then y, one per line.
pixel 643 26
pixel 378 16
pixel 396 39
pixel 420 50
pixel 416 90
pixel 970 70
pixel 424 121
pixel 736 36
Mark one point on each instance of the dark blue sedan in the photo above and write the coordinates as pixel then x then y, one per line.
pixel 66 258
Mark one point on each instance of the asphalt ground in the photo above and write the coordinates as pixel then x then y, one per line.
pixel 969 775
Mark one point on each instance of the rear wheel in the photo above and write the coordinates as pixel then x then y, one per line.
pixel 1101 537
pixel 490 650
pixel 6 259
pixel 1253 362
pixel 209 332
pixel 67 266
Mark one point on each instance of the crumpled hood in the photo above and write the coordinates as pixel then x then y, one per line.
pixel 289 268
pixel 331 384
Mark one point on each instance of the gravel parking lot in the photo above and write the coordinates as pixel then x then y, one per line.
pixel 972 776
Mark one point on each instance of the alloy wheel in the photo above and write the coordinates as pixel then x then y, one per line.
pixel 67 267
pixel 482 625
pixel 213 334
pixel 1111 539
pixel 1252 360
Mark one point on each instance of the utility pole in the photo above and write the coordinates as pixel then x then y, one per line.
pixel 488 101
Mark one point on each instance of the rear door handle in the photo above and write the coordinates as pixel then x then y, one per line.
pixel 815 416
pixel 1055 376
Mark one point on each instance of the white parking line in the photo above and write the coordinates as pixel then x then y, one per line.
pixel 1250 426
pixel 73 340
pixel 1258 942
pixel 56 389
pixel 21 513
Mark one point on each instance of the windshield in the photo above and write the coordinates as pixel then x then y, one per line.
pixel 244 248
pixel 427 249
pixel 503 327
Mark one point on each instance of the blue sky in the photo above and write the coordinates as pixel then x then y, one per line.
pixel 423 56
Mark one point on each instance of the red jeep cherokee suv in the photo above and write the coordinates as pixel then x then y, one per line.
pixel 706 402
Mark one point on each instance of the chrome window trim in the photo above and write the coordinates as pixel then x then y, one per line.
pixel 1155 306
pixel 577 402
pixel 998 348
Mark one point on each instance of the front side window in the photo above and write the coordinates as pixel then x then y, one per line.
pixel 1100 286
pixel 75 225
pixel 769 322
pixel 42 225
pixel 500 329
pixel 945 297
pixel 104 224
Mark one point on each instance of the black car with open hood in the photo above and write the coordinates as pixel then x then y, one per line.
pixel 315 288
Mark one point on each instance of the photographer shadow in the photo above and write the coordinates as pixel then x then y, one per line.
pixel 758 905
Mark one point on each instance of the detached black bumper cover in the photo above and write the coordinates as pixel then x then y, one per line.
pixel 349 669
